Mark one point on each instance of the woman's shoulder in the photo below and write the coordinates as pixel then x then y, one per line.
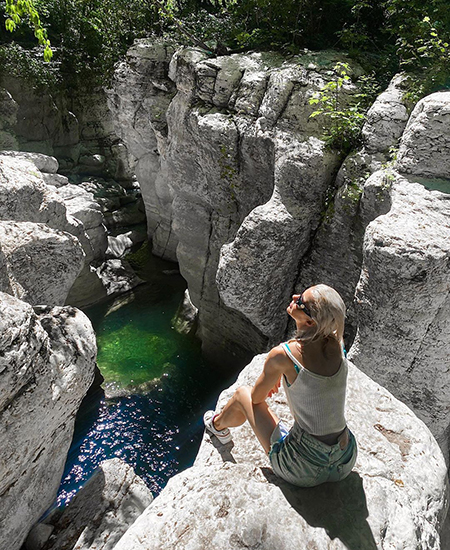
pixel 277 354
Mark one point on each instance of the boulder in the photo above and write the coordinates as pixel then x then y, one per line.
pixel 395 497
pixel 38 264
pixel 44 163
pixel 117 277
pixel 47 363
pixel 122 244
pixel 425 144
pixel 101 511
pixel 24 196
pixel 386 119
pixel 185 320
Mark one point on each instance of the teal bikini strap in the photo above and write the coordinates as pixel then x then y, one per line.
pixel 291 356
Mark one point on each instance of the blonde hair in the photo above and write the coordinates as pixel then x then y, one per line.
pixel 328 312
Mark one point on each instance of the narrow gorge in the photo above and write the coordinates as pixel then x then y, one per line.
pixel 220 157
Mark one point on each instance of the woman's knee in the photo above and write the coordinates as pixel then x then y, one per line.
pixel 243 393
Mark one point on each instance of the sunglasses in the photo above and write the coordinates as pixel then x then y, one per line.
pixel 301 305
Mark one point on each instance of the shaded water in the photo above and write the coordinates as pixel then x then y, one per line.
pixel 159 386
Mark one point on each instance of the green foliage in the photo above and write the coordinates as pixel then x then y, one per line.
pixel 427 60
pixel 21 63
pixel 345 117
pixel 385 36
pixel 16 11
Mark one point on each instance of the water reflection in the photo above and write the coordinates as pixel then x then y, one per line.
pixel 157 388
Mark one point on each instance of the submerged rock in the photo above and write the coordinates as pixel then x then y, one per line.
pixel 395 497
pixel 47 361
pixel 100 513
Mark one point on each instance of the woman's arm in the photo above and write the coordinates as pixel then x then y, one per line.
pixel 269 380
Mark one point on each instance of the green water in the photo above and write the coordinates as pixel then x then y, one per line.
pixel 149 409
pixel 442 185
pixel 135 337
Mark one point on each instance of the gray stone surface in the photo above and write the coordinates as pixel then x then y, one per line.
pixel 400 342
pixel 185 320
pixel 38 264
pixel 236 132
pixel 396 497
pixel 101 511
pixel 425 144
pixel 43 163
pixel 47 364
pixel 386 118
pixel 122 244
pixel 117 277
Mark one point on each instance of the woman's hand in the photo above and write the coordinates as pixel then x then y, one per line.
pixel 275 388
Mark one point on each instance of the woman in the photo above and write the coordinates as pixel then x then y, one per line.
pixel 319 447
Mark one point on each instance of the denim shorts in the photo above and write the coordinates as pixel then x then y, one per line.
pixel 301 459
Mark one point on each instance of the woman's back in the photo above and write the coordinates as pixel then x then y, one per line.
pixel 317 400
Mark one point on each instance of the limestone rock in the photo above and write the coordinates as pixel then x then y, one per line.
pixel 130 214
pixel 386 118
pixel 24 196
pixel 87 289
pixel 38 264
pixel 424 147
pixel 47 363
pixel 335 253
pixel 81 205
pixel 117 277
pixel 236 130
pixel 38 536
pixel 274 236
pixel 400 342
pixel 101 511
pixel 8 119
pixel 185 320
pixel 396 497
pixel 140 121
pixel 44 163
pixel 122 244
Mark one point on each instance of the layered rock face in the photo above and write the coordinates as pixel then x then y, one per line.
pixel 47 364
pixel 47 355
pixel 396 497
pixel 402 298
pixel 233 159
pixel 74 127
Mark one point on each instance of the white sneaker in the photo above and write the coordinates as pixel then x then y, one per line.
pixel 224 436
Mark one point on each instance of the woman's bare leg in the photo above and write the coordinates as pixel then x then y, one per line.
pixel 241 408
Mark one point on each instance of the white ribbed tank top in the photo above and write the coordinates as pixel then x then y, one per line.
pixel 317 402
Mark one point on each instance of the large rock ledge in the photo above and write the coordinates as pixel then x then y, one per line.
pixel 47 359
pixel 396 497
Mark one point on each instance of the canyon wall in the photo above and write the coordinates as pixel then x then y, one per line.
pixel 47 355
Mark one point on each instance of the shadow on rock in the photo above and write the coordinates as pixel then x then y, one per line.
pixel 340 508
pixel 223 449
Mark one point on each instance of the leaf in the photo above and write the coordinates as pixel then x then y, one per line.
pixel 10 25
